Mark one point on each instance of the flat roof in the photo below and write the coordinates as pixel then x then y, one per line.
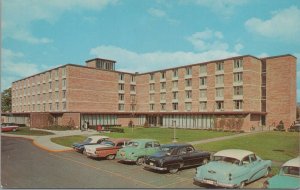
pixel 98 58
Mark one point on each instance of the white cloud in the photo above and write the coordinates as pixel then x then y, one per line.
pixel 207 40
pixel 142 62
pixel 156 12
pixel 225 8
pixel 238 47
pixel 283 25
pixel 18 15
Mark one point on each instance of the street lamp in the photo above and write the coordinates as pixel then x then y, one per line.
pixel 174 131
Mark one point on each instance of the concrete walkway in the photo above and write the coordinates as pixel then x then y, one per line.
pixel 224 138
pixel 45 142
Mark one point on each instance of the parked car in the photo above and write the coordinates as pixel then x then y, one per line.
pixel 106 149
pixel 288 177
pixel 233 168
pixel 137 149
pixel 6 127
pixel 79 147
pixel 176 156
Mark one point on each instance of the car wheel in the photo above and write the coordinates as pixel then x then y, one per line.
pixel 140 161
pixel 267 173
pixel 205 161
pixel 110 157
pixel 173 169
pixel 242 185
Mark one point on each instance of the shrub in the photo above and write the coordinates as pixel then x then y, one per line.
pixel 280 126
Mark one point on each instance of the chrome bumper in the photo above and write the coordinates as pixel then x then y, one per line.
pixel 215 183
pixel 154 167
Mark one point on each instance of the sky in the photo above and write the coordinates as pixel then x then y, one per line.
pixel 142 35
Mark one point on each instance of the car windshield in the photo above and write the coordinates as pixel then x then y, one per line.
pixel 133 144
pixel 167 149
pixel 226 159
pixel 290 170
pixel 88 140
pixel 107 143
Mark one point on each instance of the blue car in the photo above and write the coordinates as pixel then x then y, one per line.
pixel 79 147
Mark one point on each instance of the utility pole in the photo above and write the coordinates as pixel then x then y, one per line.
pixel 174 131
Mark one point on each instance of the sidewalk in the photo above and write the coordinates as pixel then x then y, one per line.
pixel 224 138
pixel 45 143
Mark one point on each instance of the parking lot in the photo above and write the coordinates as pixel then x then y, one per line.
pixel 26 166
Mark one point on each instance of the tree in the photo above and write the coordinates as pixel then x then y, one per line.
pixel 6 100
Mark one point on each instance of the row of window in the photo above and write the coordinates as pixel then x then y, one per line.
pixel 238 63
pixel 122 77
pixel 41 107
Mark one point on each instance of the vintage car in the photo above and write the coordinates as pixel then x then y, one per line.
pixel 79 147
pixel 137 149
pixel 232 168
pixel 176 156
pixel 288 177
pixel 106 149
pixel 6 127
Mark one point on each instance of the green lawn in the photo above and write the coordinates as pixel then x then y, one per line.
pixel 163 135
pixel 27 131
pixel 276 146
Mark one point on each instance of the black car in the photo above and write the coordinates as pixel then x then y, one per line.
pixel 176 156
pixel 79 147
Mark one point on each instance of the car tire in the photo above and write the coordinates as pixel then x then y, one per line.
pixel 110 157
pixel 242 185
pixel 140 161
pixel 173 169
pixel 268 172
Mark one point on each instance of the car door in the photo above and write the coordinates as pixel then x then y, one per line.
pixel 184 156
pixel 258 167
pixel 250 168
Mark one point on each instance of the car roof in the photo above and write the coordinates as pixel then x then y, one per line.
pixel 143 140
pixel 176 145
pixel 234 153
pixel 117 140
pixel 98 137
pixel 293 162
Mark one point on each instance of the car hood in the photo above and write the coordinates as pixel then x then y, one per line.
pixel 92 148
pixel 284 182
pixel 129 149
pixel 217 170
pixel 158 155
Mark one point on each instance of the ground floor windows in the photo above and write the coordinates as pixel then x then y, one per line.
pixel 99 119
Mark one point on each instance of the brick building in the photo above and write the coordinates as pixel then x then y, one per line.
pixel 246 90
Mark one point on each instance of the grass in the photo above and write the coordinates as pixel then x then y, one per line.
pixel 276 146
pixel 27 131
pixel 163 135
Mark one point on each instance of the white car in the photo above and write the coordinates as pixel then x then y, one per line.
pixel 96 139
pixel 91 149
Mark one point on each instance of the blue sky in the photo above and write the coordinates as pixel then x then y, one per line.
pixel 143 35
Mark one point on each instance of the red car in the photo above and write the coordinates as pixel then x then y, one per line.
pixel 107 149
pixel 6 127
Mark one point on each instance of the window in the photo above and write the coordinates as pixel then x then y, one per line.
pixel 219 92
pixel 175 106
pixel 188 106
pixel 121 107
pixel 163 106
pixel 203 93
pixel 175 72
pixel 220 79
pixel 219 66
pixel 64 105
pixel 203 68
pixel 175 95
pixel 219 105
pixel 151 107
pixel 64 94
pixel 151 97
pixel 132 107
pixel 162 85
pixel 64 71
pixel 44 107
pixel 238 90
pixel 188 94
pixel 121 76
pixel 188 71
pixel 50 75
pixel 121 97
pixel 50 85
pixel 188 82
pixel 132 98
pixel 64 83
pixel 202 81
pixel 57 105
pixel 203 105
pixel 175 84
pixel 132 78
pixel 56 95
pixel 238 104
pixel 121 86
pixel 56 73
pixel 238 77
pixel 163 75
pixel 163 96
pixel 151 76
pixel 50 96
pixel 56 84
pixel 152 87
pixel 132 88
pixel 238 63
pixel 50 106
pixel 148 145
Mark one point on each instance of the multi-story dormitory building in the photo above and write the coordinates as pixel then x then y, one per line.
pixel 260 91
